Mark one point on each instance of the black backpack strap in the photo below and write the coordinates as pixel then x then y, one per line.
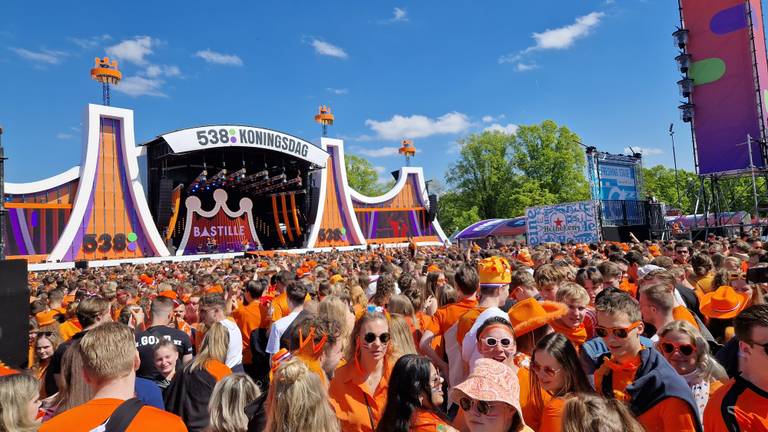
pixel 729 401
pixel 122 417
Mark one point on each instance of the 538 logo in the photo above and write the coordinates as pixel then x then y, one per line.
pixel 216 136
pixel 107 242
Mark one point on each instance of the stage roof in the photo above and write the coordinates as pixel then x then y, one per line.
pixel 493 227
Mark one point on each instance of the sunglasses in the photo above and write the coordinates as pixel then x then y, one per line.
pixel 669 348
pixel 765 346
pixel 619 332
pixel 483 407
pixel 371 337
pixel 544 369
pixel 492 342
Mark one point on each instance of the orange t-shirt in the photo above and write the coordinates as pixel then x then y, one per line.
pixel 669 415
pixel 447 315
pixel 552 415
pixel 427 421
pixel 681 313
pixel 280 306
pixel 753 400
pixel 93 413
pixel 351 398
pixel 70 328
pixel 531 413
pixel 466 322
pixel 249 318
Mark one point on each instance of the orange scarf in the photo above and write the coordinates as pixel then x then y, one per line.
pixel 623 376
pixel 577 335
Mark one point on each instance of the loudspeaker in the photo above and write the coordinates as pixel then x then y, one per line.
pixel 14 313
pixel 432 207
pixel 164 195
pixel 621 233
pixel 82 264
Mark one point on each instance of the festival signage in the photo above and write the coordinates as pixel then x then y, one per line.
pixel 209 137
pixel 618 180
pixel 220 229
pixel 562 223
pixel 727 45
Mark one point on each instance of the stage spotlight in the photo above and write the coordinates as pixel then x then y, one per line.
pixel 683 62
pixel 686 112
pixel 681 37
pixel 686 87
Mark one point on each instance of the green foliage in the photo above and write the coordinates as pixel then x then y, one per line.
pixel 551 155
pixel 659 182
pixel 498 175
pixel 362 177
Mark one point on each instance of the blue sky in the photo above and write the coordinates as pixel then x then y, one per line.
pixel 432 71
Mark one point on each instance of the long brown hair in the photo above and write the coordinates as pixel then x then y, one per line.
pixel 588 412
pixel 562 350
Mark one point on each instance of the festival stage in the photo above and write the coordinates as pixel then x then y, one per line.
pixel 211 190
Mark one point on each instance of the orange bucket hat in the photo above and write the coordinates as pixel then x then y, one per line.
pixel 530 314
pixel 494 271
pixel 723 303
pixel 524 256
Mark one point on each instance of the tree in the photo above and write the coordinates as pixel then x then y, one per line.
pixel 362 177
pixel 551 155
pixel 482 176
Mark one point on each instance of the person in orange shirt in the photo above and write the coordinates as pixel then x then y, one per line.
pixel 414 398
pixel 358 391
pixel 744 400
pixel 642 378
pixel 571 325
pixel 280 303
pixel 110 360
pixel 251 317
pixel 556 371
pixel 467 281
pixel 495 276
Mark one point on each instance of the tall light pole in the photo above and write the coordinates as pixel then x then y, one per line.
pixel 2 197
pixel 674 158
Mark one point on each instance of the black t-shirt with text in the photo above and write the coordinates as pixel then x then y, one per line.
pixel 145 344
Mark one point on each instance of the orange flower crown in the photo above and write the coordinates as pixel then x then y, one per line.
pixel 494 271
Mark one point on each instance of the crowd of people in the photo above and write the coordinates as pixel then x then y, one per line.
pixel 654 336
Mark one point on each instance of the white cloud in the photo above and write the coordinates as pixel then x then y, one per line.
pixel 92 42
pixel 525 67
pixel 337 91
pixel 140 86
pixel 555 39
pixel 64 136
pixel 133 50
pixel 379 152
pixel 399 14
pixel 419 126
pixel 219 58
pixel 646 151
pixel 42 56
pixel 509 129
pixel 491 119
pixel 564 37
pixel 327 49
pixel 154 71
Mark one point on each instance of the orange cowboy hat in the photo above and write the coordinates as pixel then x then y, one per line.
pixel 723 303
pixel 530 314
pixel 46 318
pixel 524 256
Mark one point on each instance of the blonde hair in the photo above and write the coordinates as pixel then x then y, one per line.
pixel 214 347
pixel 298 401
pixel 570 292
pixel 710 369
pixel 54 338
pixel 334 308
pixel 592 413
pixel 108 351
pixel 228 401
pixel 16 391
pixel 401 337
